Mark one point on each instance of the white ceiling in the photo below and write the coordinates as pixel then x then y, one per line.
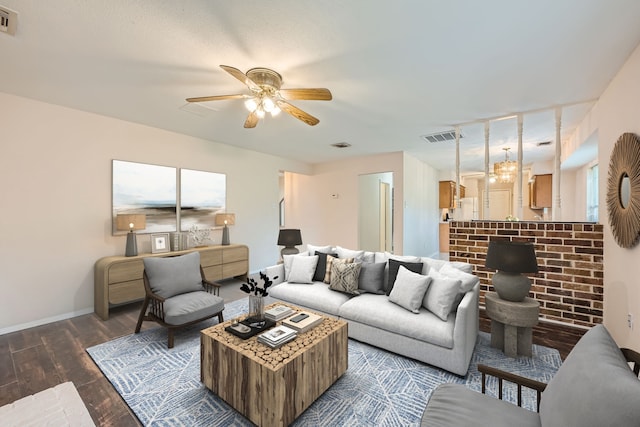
pixel 397 69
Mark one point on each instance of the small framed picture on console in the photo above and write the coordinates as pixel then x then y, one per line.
pixel 160 243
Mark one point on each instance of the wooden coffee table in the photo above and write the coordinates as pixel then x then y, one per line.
pixel 273 387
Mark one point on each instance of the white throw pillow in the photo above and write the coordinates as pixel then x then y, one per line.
pixel 468 280
pixel 287 260
pixel 441 295
pixel 349 253
pixel 409 289
pixel 313 248
pixel 302 269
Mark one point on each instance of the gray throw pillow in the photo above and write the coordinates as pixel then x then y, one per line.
pixel 169 276
pixel 594 386
pixel 344 277
pixel 371 278
pixel 394 265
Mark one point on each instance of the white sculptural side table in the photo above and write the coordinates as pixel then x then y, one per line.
pixel 511 323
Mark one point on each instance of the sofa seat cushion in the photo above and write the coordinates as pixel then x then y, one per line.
pixel 316 296
pixel 593 387
pixel 191 306
pixel 379 312
pixel 452 405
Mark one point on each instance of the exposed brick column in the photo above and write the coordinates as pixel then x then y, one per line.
pixel 569 284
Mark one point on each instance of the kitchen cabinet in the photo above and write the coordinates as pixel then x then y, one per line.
pixel 540 191
pixel 447 194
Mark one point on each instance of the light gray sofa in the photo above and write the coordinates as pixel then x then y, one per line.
pixel 374 319
pixel 594 387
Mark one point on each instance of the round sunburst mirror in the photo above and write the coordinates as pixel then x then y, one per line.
pixel 623 190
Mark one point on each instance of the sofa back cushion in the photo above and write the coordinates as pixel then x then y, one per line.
pixel 169 276
pixel 593 387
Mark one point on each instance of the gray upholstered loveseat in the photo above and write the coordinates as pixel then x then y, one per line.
pixel 443 335
pixel 594 387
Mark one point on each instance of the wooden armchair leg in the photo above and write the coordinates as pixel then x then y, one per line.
pixel 170 337
pixel 143 312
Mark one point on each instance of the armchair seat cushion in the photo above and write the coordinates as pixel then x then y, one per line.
pixel 192 306
pixel 453 405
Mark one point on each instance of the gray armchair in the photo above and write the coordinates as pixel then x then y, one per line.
pixel 594 387
pixel 177 294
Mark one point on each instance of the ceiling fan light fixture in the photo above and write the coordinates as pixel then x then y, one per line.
pixel 251 104
pixel 268 104
pixel 276 110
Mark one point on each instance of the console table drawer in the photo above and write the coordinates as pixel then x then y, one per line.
pixel 233 269
pixel 126 291
pixel 234 254
pixel 124 271
pixel 209 258
pixel 213 273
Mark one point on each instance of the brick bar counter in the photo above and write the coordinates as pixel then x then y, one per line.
pixel 569 284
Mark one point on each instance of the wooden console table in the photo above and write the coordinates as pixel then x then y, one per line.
pixel 511 323
pixel 118 279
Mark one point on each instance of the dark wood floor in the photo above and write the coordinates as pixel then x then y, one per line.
pixel 38 358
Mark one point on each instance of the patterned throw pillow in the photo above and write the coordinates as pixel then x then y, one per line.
pixel 330 262
pixel 344 277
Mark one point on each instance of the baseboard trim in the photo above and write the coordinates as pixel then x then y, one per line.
pixel 40 322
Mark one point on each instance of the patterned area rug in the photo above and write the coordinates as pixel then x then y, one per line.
pixel 162 386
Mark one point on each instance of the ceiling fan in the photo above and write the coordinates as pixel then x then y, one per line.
pixel 267 97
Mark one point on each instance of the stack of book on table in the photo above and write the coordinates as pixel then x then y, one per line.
pixel 278 313
pixel 277 336
pixel 303 321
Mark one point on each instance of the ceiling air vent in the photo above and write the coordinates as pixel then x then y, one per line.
pixel 341 145
pixel 8 21
pixel 441 136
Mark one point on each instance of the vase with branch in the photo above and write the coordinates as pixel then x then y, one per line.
pixel 256 295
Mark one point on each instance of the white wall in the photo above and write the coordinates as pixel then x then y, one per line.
pixel 55 170
pixel 421 214
pixel 334 221
pixel 615 113
pixel 324 220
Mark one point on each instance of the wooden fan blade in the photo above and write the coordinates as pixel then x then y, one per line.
pixel 298 113
pixel 214 98
pixel 242 77
pixel 314 94
pixel 252 120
